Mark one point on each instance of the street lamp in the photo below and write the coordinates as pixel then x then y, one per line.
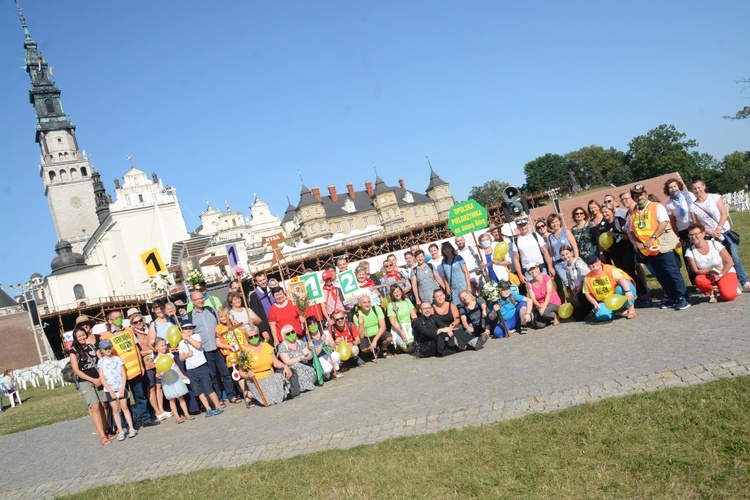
pixel 27 291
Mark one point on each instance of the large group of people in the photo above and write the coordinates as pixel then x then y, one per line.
pixel 270 345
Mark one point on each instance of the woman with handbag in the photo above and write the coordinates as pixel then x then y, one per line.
pixel 709 211
pixel 712 265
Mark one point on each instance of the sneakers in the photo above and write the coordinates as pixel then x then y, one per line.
pixel 121 436
pixel 522 329
pixel 151 423
pixel 681 304
pixel 132 433
pixel 218 411
pixel 746 287
pixel 481 341
pixel 210 413
pixel 668 303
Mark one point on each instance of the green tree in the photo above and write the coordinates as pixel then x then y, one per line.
pixel 744 113
pixel 661 151
pixel 548 171
pixel 488 194
pixel 594 166
pixel 730 175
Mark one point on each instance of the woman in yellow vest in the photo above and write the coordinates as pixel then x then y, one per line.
pixel 603 281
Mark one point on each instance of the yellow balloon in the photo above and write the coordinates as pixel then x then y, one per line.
pixel 501 249
pixel 565 311
pixel 606 241
pixel 174 335
pixel 615 302
pixel 163 363
pixel 344 350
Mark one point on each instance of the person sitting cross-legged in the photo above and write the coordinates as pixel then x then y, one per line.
pixel 511 311
pixel 435 338
pixel 603 281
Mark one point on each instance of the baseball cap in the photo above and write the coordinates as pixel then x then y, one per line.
pixel 105 343
pixel 520 221
pixel 638 188
pixel 328 275
pixel 187 324
pixel 591 259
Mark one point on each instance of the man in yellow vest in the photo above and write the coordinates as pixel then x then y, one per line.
pixel 126 347
pixel 649 221
pixel 603 281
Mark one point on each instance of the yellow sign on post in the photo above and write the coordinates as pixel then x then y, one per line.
pixel 152 262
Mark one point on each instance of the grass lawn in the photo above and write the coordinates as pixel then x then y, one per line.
pixel 678 443
pixel 42 406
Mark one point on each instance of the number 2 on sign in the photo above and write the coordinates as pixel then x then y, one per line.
pixel 348 282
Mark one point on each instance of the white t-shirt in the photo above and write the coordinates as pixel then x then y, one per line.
pixel 528 247
pixel 469 257
pixel 710 261
pixel 680 209
pixel 198 358
pixel 110 368
pixel 239 316
pixel 710 205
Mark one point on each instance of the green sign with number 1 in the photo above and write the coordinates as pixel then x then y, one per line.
pixel 314 289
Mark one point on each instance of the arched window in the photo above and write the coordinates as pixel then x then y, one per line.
pixel 84 173
pixel 73 173
pixel 52 175
pixel 79 292
pixel 49 106
pixel 63 175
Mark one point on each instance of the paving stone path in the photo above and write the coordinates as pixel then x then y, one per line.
pixel 539 372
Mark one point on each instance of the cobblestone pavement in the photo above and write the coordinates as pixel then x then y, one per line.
pixel 539 372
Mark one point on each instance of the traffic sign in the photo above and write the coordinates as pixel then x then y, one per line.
pixel 467 217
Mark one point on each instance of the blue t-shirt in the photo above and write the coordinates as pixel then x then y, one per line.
pixel 507 307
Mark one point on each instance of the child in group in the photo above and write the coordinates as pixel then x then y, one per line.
pixel 173 384
pixel 191 352
pixel 231 340
pixel 112 374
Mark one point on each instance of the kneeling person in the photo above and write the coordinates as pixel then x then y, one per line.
pixel 603 281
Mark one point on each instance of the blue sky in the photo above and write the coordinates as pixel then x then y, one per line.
pixel 226 99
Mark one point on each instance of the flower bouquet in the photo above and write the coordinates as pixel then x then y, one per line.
pixel 491 292
pixel 194 277
pixel 161 283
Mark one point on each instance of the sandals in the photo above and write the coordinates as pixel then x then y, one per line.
pixel 180 420
pixel 222 404
pixel 105 441
pixel 235 400
pixel 189 417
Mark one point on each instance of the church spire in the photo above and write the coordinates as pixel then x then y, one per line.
pixel 44 94
pixel 100 195
pixel 65 172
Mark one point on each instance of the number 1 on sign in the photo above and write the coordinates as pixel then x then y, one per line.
pixel 152 262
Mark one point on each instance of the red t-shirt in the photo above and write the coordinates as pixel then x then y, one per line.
pixel 287 315
pixel 349 334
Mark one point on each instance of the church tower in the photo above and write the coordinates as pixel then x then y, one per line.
pixel 65 171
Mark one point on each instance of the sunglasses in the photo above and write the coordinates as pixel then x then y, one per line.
pixel 253 336
pixel 580 213
pixel 138 322
pixel 338 319
pixel 541 226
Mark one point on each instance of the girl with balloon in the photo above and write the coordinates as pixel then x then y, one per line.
pixel 172 382
pixel 604 287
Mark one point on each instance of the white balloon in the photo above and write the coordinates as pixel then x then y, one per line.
pixel 355 350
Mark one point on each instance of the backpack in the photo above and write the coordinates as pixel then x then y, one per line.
pixel 68 375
